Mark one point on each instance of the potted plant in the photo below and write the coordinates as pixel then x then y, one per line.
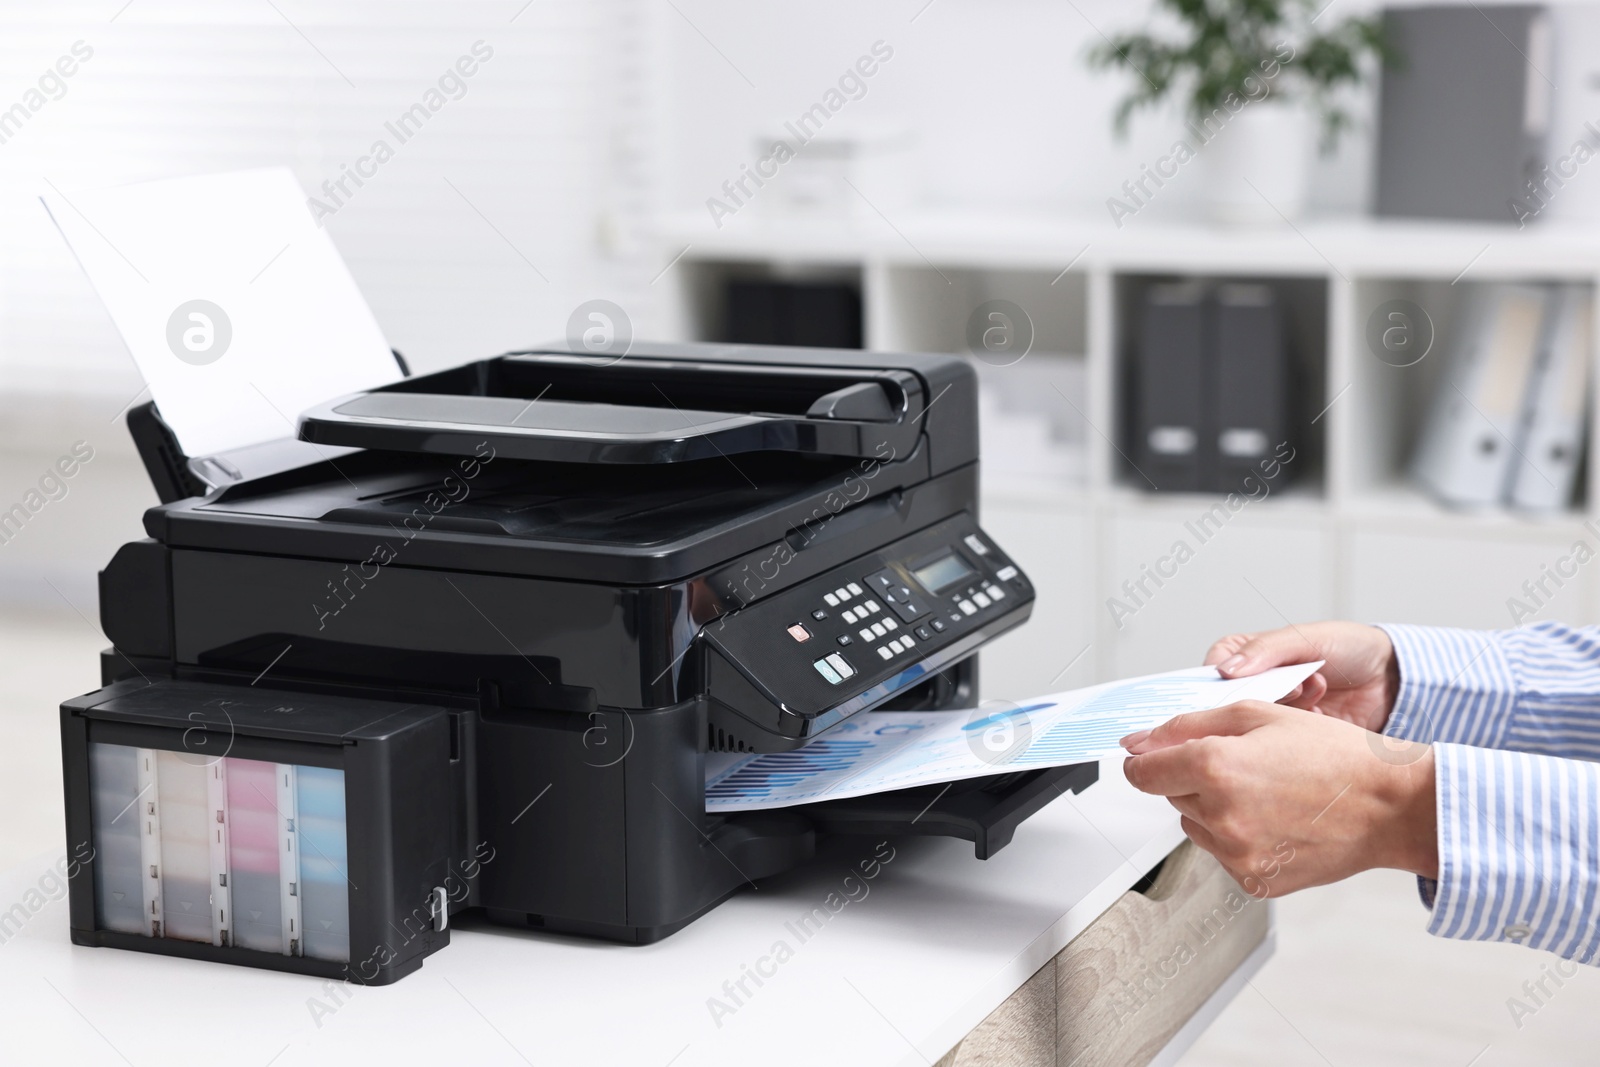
pixel 1254 79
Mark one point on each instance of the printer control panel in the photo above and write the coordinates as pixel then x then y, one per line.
pixel 851 638
pixel 893 614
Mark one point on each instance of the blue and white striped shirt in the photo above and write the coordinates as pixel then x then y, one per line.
pixel 1514 720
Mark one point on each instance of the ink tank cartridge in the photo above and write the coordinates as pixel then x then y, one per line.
pixel 274 828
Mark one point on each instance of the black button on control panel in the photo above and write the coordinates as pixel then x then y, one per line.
pixel 910 609
pixel 901 598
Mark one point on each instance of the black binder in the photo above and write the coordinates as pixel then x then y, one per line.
pixel 807 314
pixel 1252 382
pixel 1172 443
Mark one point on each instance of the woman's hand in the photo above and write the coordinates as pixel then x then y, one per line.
pixel 1286 800
pixel 1357 684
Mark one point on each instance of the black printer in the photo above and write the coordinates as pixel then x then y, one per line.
pixel 467 643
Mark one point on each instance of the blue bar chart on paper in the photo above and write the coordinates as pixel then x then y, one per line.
pixel 1096 725
pixel 886 750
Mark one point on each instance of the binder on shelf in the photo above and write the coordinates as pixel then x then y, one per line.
pixel 1465 454
pixel 1463 121
pixel 809 314
pixel 1252 381
pixel 1546 472
pixel 1173 441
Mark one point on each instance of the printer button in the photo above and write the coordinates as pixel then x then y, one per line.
pixel 937 624
pixel 909 609
pixel 855 590
pixel 831 600
pixel 842 593
pixel 968 607
pixel 976 545
pixel 889 624
pixel 819 615
pixel 844 640
pixel 885 652
pixel 848 615
pixel 879 628
pixel 874 607
pixel 841 665
pixel 996 593
pixel 906 641
pixel 799 632
pixel 922 632
pixel 825 669
pixel 981 600
pixel 1006 573
pixel 868 636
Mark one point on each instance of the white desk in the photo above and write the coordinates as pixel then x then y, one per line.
pixel 896 977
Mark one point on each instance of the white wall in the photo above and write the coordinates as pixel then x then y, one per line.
pixel 591 119
pixel 549 142
pixel 1005 111
pixel 545 143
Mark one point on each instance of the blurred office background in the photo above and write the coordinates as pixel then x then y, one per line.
pixel 603 149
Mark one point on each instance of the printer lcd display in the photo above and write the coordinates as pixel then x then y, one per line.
pixel 942 573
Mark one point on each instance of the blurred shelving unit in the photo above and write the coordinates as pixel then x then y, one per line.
pixel 1350 536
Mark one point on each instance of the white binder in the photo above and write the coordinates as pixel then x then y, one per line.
pixel 1464 456
pixel 1546 472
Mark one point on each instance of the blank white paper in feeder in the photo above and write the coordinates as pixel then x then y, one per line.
pixel 234 304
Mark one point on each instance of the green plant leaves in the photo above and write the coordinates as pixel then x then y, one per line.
pixel 1230 50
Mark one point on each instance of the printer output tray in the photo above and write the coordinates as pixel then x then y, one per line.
pixel 985 811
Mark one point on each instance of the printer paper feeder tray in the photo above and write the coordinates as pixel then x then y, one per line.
pixel 558 408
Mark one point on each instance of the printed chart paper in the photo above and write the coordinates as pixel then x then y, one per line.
pixel 884 750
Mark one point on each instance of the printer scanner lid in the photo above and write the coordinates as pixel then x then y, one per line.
pixel 598 481
pixel 647 408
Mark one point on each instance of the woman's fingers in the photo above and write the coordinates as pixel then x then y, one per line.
pixel 1226 648
pixel 1308 694
pixel 1199 834
pixel 1274 648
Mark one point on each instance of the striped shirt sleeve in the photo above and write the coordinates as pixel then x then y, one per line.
pixel 1534 689
pixel 1514 719
pixel 1519 850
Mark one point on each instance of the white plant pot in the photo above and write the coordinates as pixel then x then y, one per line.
pixel 1257 166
